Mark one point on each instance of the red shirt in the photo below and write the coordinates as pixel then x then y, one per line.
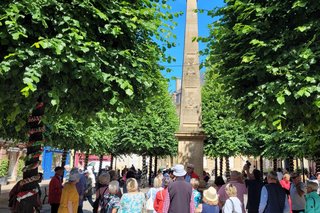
pixel 55 189
pixel 159 200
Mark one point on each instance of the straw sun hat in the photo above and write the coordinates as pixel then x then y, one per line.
pixel 210 194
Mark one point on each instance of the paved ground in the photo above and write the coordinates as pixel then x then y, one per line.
pixel 4 196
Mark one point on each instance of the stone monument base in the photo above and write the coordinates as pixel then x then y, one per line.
pixel 190 150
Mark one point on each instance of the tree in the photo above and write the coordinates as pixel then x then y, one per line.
pixel 79 56
pixel 226 133
pixel 266 54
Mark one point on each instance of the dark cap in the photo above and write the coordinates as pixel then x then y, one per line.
pixel 294 175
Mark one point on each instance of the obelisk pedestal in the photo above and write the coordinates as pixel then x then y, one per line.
pixel 190 135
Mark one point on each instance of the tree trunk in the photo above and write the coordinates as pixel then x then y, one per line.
pixel 221 166
pixel 64 158
pixel 227 168
pixel 100 163
pixel 111 162
pixel 215 167
pixel 275 164
pixel 261 165
pixel 317 160
pixel 150 171
pixel 156 164
pixel 86 160
pixel 32 160
pixel 291 164
pixel 144 172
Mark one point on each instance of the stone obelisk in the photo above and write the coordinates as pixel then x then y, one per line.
pixel 190 135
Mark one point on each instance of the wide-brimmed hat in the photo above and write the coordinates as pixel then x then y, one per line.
pixel 179 171
pixel 104 178
pixel 210 194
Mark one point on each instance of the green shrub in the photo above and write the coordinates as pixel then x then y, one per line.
pixel 20 167
pixel 4 166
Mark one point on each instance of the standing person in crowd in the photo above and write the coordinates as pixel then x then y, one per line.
pixel 113 199
pixel 81 186
pixel 115 176
pixel 196 194
pixel 297 192
pixel 206 176
pixel 254 185
pixel 279 174
pixel 133 201
pixel 160 196
pixel 179 199
pixel 69 201
pixel 273 198
pixel 285 183
pixel 102 190
pixel 236 181
pixel 190 173
pixel 89 190
pixel 232 204
pixel 55 189
pixel 151 194
pixel 219 182
pixel 129 174
pixel 312 198
pixel 210 202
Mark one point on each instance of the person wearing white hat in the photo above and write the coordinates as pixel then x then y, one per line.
pixel 210 201
pixel 180 199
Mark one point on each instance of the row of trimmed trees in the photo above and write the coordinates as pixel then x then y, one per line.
pixel 261 95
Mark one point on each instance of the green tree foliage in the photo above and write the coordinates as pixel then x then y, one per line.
pixel 226 133
pixel 80 56
pixel 266 54
pixel 148 130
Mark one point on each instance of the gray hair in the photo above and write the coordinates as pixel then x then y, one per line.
pixel 312 185
pixel 113 187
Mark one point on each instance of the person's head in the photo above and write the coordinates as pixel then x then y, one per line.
pixel 296 178
pixel 318 176
pixel 58 171
pixel 166 182
pixel 231 190
pixel 312 186
pixel 104 178
pixel 204 173
pixel 86 173
pixel 219 181
pixel 210 196
pixel 74 175
pixel 190 168
pixel 286 177
pixel 272 177
pixel 130 174
pixel 178 171
pixel 235 175
pixel 132 185
pixel 194 183
pixel 157 182
pixel 113 175
pixel 114 187
pixel 257 174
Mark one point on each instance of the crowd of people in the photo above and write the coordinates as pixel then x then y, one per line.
pixel 180 190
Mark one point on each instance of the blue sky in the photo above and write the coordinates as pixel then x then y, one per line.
pixel 177 52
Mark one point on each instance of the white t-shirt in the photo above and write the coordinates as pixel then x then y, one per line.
pixel 233 204
pixel 298 202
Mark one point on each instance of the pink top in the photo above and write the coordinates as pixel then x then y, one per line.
pixel 241 190
pixel 285 184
